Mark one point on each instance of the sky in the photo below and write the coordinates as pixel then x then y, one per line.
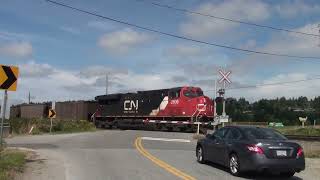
pixel 65 55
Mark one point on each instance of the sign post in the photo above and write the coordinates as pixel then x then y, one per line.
pixel 8 82
pixel 303 120
pixel 4 107
pixel 198 127
pixel 224 79
pixel 52 114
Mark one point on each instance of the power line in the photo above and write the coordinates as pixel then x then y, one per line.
pixel 317 77
pixel 227 19
pixel 182 37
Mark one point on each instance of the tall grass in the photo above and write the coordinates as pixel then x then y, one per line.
pixel 23 126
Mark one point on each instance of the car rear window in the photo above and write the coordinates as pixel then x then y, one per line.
pixel 262 133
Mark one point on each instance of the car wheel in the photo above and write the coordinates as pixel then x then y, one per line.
pixel 287 174
pixel 199 153
pixel 234 165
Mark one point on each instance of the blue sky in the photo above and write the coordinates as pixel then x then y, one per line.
pixel 64 55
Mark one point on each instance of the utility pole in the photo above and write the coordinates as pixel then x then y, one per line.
pixel 107 83
pixel 29 98
pixel 215 97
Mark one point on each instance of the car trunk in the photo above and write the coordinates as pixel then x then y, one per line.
pixel 279 149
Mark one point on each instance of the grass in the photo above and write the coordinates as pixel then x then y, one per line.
pixel 41 126
pixel 312 154
pixel 294 130
pixel 11 162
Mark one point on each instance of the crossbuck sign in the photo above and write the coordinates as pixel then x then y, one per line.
pixel 225 77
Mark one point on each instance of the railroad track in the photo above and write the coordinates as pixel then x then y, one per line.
pixel 303 138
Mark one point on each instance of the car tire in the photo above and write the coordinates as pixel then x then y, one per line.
pixel 234 165
pixel 287 174
pixel 199 154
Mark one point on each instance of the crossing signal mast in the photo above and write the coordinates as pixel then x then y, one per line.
pixel 223 81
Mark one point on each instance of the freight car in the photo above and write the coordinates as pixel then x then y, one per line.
pixel 180 107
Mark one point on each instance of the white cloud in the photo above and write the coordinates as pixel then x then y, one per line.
pixel 16 49
pixel 201 27
pixel 10 36
pixel 101 25
pixel 306 88
pixel 33 69
pixel 184 51
pixel 70 30
pixel 96 71
pixel 250 44
pixel 295 44
pixel 286 43
pixel 122 41
pixel 295 8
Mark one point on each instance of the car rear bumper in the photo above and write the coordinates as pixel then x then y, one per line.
pixel 261 163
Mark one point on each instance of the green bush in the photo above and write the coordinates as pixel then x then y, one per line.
pixel 23 126
pixel 307 131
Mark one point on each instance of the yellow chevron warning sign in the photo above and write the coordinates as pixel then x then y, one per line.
pixel 9 77
pixel 52 113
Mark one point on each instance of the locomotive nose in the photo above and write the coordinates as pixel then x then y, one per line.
pixel 204 100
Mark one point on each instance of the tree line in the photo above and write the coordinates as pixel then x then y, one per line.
pixel 281 109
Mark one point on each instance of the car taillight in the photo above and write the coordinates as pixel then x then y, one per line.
pixel 300 152
pixel 255 149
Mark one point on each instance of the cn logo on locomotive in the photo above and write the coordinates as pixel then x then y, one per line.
pixel 129 105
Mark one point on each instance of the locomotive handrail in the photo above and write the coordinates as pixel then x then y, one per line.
pixel 198 110
pixel 194 114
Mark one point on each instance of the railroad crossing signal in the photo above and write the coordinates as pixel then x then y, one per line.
pixel 224 77
pixel 52 113
pixel 8 77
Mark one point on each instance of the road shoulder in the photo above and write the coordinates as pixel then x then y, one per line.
pixel 42 164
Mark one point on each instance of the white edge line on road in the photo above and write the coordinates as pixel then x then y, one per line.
pixel 165 139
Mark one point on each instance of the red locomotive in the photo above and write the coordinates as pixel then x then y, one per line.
pixel 180 107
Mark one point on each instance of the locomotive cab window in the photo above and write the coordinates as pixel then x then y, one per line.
pixel 175 93
pixel 191 93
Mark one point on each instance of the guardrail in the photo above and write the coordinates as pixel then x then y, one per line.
pixel 303 138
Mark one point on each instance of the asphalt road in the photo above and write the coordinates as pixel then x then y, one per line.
pixel 115 154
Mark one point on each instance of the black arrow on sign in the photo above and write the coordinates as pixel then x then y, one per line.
pixel 53 113
pixel 11 78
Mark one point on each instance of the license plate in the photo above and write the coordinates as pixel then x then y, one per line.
pixel 281 153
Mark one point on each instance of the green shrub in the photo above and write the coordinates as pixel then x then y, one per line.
pixel 23 126
pixel 307 131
